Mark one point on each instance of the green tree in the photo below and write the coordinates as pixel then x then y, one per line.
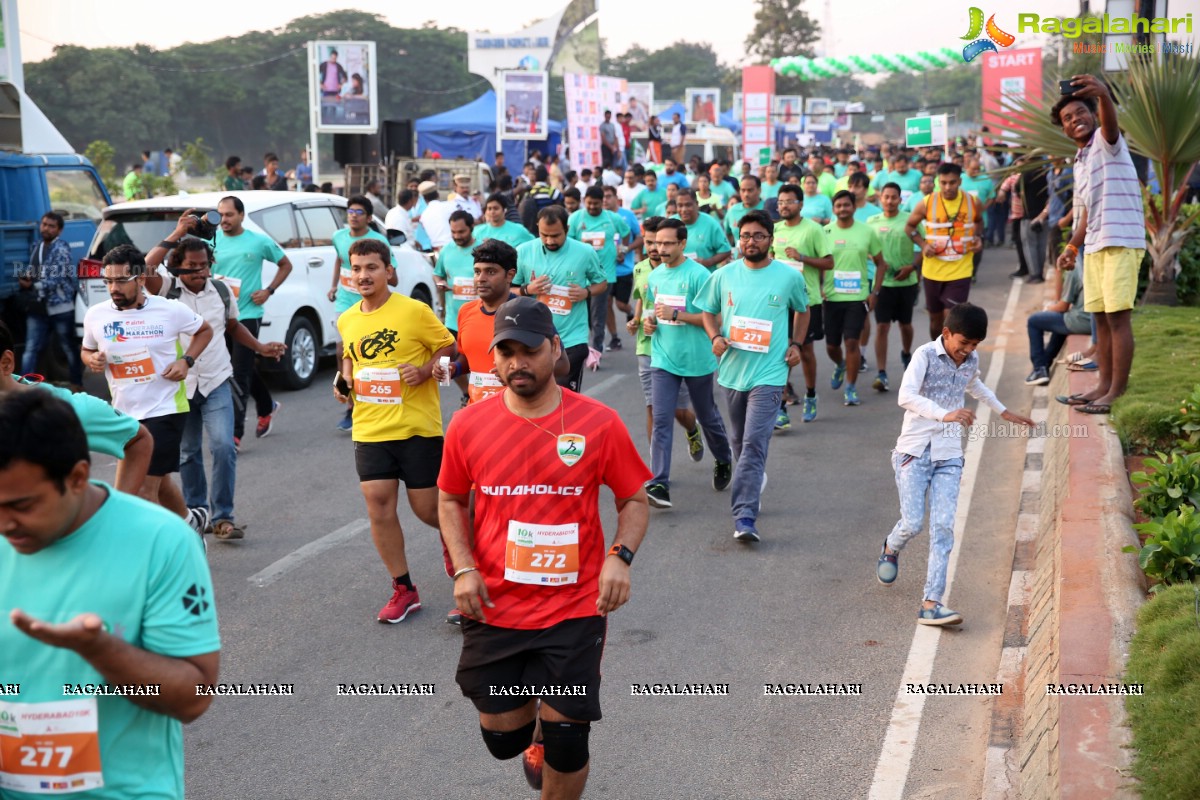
pixel 783 28
pixel 674 68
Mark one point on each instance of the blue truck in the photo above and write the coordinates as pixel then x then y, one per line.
pixel 40 172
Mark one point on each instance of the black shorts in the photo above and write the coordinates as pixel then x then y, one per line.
pixel 945 295
pixel 623 288
pixel 843 318
pixel 816 324
pixel 416 461
pixel 895 303
pixel 497 663
pixel 167 431
pixel 576 357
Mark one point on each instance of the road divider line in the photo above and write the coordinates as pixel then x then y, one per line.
pixel 603 386
pixel 311 550
pixel 900 740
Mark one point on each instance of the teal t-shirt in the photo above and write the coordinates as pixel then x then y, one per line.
pixel 705 238
pixel 770 190
pixel 641 274
pixel 509 233
pixel 897 247
pixel 758 302
pixel 108 430
pixel 238 260
pixel 817 207
pixel 839 169
pixel 600 233
pixel 981 187
pixel 574 262
pixel 724 190
pixel 457 266
pixel 908 205
pixel 909 183
pixel 678 347
pixel 342 239
pixel 735 214
pixel 852 248
pixel 141 569
pixel 808 238
pixel 866 212
pixel 647 201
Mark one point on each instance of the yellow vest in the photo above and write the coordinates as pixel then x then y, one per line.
pixel 950 228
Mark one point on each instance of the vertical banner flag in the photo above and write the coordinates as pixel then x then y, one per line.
pixel 758 92
pixel 588 97
pixel 1007 76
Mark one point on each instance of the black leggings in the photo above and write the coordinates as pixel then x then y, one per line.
pixel 577 357
pixel 245 373
pixel 1016 237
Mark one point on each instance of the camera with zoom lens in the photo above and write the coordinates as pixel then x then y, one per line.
pixel 206 224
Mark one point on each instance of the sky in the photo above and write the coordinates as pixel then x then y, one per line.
pixel 859 27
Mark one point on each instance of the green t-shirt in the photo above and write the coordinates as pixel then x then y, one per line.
pixel 735 214
pixel 712 201
pixel 647 201
pixel 678 347
pixel 108 430
pixel 599 233
pixel 233 184
pixel 641 274
pixel 759 302
pixel 132 186
pixel 897 247
pixel 808 238
pixel 574 262
pixel 981 187
pixel 241 258
pixel 509 233
pixel 142 571
pixel 827 185
pixel 705 238
pixel 852 248
pixel 342 239
pixel 457 266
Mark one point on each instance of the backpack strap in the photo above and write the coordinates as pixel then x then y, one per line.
pixel 222 290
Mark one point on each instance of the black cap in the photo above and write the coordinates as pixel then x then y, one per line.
pixel 525 320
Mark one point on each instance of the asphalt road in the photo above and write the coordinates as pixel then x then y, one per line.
pixel 803 606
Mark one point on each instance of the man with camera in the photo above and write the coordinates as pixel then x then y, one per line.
pixel 186 277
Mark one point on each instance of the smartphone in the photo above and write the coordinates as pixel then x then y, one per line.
pixel 340 385
pixel 1065 88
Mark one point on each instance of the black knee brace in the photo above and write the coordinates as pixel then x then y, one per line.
pixel 566 745
pixel 508 744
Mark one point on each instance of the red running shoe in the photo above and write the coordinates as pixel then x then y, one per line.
pixel 532 761
pixel 403 601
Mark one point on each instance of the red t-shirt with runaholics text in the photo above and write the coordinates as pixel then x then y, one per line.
pixel 539 543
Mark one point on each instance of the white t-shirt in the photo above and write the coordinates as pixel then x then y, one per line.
pixel 139 344
pixel 627 193
pixel 398 219
pixel 435 219
pixel 468 204
pixel 214 366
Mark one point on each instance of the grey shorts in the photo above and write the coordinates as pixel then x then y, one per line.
pixel 685 399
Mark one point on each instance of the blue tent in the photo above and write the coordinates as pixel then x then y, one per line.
pixel 469 131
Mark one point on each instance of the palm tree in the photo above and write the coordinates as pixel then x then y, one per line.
pixel 1157 102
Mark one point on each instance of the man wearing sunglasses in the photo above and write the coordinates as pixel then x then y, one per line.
pixel 136 341
pixel 344 291
pixel 187 278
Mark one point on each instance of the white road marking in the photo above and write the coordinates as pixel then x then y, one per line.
pixel 1019 588
pixel 895 758
pixel 1027 527
pixel 603 385
pixel 311 550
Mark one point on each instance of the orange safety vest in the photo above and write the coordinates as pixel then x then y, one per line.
pixel 951 238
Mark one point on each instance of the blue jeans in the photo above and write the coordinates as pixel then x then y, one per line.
pixel 997 220
pixel 37 336
pixel 665 396
pixel 1038 325
pixel 751 424
pixel 915 478
pixel 213 415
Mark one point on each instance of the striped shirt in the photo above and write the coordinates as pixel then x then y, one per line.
pixel 1106 183
pixel 932 387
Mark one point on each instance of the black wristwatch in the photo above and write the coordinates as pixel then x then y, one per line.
pixel 191 362
pixel 794 343
pixel 622 552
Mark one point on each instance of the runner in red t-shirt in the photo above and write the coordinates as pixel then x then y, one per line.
pixel 536 584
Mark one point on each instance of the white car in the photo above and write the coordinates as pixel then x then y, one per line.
pixel 300 313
